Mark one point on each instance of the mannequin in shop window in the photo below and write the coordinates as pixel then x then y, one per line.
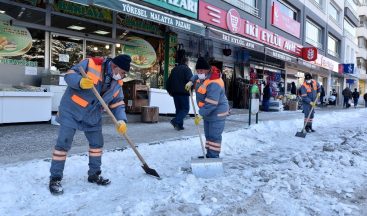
pixel 266 97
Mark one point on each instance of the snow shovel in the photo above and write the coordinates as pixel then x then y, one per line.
pixel 205 167
pixel 145 166
pixel 302 133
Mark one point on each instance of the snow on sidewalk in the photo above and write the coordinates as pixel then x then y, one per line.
pixel 268 171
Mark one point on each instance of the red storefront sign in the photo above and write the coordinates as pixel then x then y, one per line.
pixel 309 53
pixel 232 21
pixel 284 22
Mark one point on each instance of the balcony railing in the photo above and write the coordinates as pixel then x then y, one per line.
pixel 352 6
pixel 315 43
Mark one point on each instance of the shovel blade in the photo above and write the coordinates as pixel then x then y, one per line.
pixel 150 171
pixel 207 167
pixel 301 134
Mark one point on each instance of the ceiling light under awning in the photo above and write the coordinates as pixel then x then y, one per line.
pixel 75 27
pixel 101 32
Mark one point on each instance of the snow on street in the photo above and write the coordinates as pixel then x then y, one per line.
pixel 268 171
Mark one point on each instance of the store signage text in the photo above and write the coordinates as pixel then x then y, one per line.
pixel 83 11
pixel 19 62
pixel 325 62
pixel 185 7
pixel 280 55
pixel 235 40
pixel 284 22
pixel 231 21
pixel 159 17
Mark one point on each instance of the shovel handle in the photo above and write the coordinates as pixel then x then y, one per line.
pixel 104 105
pixel 309 115
pixel 197 126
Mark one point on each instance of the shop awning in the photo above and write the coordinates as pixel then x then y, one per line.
pixel 146 13
pixel 235 40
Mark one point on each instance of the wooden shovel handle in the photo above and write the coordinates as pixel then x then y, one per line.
pixel 100 99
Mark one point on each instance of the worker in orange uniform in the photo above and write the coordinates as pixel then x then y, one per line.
pixel 80 110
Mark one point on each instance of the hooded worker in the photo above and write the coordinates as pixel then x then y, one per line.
pixel 80 110
pixel 310 90
pixel 212 103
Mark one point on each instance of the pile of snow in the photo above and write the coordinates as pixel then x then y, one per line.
pixel 268 171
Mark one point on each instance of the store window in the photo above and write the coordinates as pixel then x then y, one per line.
pixel 349 28
pixel 334 13
pixel 313 34
pixel 333 46
pixel 98 49
pixel 66 51
pixel 288 10
pixel 147 55
pixel 23 50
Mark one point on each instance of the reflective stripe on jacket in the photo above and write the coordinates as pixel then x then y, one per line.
pixel 211 98
pixel 79 108
pixel 309 91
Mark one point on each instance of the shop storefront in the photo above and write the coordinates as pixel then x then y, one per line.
pixel 257 55
pixel 42 41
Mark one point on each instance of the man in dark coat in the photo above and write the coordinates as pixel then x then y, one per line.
pixel 365 99
pixel 347 93
pixel 176 82
pixel 266 97
pixel 355 96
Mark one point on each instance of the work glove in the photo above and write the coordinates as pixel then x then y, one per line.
pixel 318 94
pixel 197 119
pixel 121 127
pixel 313 104
pixel 86 83
pixel 188 86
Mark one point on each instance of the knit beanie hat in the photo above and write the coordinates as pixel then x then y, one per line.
pixel 202 64
pixel 123 62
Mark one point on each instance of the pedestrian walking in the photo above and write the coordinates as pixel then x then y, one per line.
pixel 310 89
pixel 347 94
pixel 180 75
pixel 80 110
pixel 322 95
pixel 293 88
pixel 355 96
pixel 212 103
pixel 365 99
pixel 266 97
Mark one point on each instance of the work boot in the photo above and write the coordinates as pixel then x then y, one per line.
pixel 179 128
pixel 98 179
pixel 55 186
pixel 308 129
pixel 312 130
pixel 173 123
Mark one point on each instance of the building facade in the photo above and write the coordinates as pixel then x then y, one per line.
pixel 362 46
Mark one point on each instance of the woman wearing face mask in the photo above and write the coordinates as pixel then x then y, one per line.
pixel 80 110
pixel 212 103
pixel 309 91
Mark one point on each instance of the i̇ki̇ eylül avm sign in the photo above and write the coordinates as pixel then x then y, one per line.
pixel 14 41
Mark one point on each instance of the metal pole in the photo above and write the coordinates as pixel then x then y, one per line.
pixel 249 108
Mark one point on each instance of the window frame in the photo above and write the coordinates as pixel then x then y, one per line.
pixel 337 9
pixel 335 53
pixel 295 11
pixel 309 40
